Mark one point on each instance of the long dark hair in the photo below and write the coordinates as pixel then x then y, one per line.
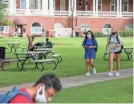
pixel 91 34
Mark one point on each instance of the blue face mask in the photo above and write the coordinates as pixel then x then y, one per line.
pixel 89 36
pixel 41 97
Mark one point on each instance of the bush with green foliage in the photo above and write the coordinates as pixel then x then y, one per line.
pixel 125 33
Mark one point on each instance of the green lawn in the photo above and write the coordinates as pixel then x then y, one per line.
pixel 72 65
pixel 114 91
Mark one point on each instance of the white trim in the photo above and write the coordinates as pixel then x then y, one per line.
pixel 82 29
pixel 106 28
pixel 38 33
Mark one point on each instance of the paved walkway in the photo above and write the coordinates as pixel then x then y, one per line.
pixel 81 80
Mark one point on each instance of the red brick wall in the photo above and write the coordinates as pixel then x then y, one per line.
pixel 29 20
pixel 96 24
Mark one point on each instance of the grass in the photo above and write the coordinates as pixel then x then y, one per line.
pixel 73 60
pixel 114 91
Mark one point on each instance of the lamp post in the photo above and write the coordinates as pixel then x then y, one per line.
pixel 72 10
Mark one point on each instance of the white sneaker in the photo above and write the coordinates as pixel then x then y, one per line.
pixel 117 74
pixel 94 70
pixel 87 74
pixel 110 74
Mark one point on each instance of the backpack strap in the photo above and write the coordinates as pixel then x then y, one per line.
pixel 16 91
pixel 117 39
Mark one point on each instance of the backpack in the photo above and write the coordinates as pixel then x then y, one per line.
pixel 118 42
pixel 7 97
pixel 93 44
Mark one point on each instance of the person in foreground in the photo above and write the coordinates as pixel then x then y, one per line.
pixel 114 48
pixel 41 92
pixel 90 45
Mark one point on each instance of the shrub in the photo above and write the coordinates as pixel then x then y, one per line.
pixel 125 33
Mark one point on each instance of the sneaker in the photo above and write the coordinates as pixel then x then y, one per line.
pixel 117 74
pixel 87 74
pixel 110 74
pixel 94 70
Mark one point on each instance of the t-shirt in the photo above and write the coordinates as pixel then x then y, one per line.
pixel 21 98
pixel 113 42
pixel 49 44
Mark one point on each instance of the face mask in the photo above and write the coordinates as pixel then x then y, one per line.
pixel 89 36
pixel 113 33
pixel 40 97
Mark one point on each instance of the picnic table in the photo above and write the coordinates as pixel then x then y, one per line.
pixel 38 60
pixel 46 51
pixel 13 46
pixel 129 53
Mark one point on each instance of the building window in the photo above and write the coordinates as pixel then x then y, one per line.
pixel 129 27
pixel 58 26
pixel 112 5
pixel 125 5
pixel 4 29
pixel 80 3
pixel 99 5
pixel 36 28
pixel 6 1
pixel 85 27
pixel 22 4
pixel 107 29
pixel 32 4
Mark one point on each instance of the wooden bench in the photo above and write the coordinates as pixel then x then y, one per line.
pixel 44 61
pixel 12 60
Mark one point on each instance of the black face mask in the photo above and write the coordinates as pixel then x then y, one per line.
pixel 113 33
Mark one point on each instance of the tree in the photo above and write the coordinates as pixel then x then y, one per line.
pixel 4 21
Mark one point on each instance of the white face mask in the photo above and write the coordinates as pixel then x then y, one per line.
pixel 40 97
pixel 89 36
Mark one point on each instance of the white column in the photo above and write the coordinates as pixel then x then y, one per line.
pixel 69 7
pixel 120 8
pixel 44 7
pixel 75 7
pixel 51 7
pixel 94 8
pixel 28 12
pixel 12 7
pixel 39 4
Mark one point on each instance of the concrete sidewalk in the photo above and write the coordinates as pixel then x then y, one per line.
pixel 80 80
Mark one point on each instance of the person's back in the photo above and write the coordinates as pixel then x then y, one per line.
pixel 49 44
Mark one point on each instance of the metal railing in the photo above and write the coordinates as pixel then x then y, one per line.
pixel 77 13
pixel 61 13
pixel 84 13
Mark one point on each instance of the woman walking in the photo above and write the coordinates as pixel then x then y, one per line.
pixel 90 46
pixel 114 47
